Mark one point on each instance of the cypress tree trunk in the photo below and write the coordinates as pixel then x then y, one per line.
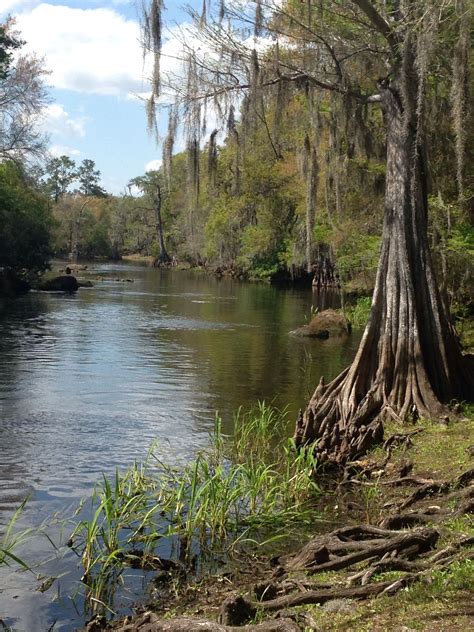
pixel 409 362
pixel 163 258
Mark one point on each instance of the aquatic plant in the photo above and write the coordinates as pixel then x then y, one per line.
pixel 12 539
pixel 250 488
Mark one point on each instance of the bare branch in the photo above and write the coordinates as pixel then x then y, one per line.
pixel 379 23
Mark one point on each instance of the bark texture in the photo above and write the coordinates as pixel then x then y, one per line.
pixel 409 362
pixel 163 258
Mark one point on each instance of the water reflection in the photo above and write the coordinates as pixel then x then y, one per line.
pixel 88 382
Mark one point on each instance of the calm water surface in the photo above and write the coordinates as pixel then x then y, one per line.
pixel 87 382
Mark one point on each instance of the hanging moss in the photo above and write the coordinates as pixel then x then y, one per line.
pixel 460 92
pixel 212 159
pixel 222 10
pixel 202 21
pixel 258 17
pixel 152 25
pixel 168 144
pixel 234 134
pixel 193 167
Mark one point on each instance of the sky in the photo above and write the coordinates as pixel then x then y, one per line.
pixel 97 74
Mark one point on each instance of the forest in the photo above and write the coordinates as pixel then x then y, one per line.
pixel 315 145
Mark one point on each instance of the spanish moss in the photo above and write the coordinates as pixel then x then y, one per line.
pixel 212 159
pixel 168 144
pixel 222 10
pixel 460 94
pixel 151 22
pixel 258 17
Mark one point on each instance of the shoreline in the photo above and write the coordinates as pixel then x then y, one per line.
pixel 407 494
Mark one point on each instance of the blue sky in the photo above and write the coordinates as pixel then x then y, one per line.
pixel 92 50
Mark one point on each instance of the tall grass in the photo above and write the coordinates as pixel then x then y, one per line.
pixel 252 487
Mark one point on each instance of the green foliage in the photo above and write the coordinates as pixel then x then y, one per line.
pixel 9 42
pixel 358 314
pixel 97 242
pixel 25 223
pixel 60 172
pixel 444 583
pixel 323 233
pixel 461 240
pixel 358 253
pixel 453 241
pixel 89 179
pixel 222 231
pixel 248 213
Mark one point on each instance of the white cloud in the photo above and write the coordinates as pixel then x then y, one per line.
pixel 63 150
pixel 153 165
pixel 87 50
pixel 55 120
pixel 7 6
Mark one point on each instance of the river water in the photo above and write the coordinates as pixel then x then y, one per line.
pixel 88 381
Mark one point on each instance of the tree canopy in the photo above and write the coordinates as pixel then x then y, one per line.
pixel 25 222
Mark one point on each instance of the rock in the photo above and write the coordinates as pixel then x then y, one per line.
pixel 325 324
pixel 60 284
pixel 236 611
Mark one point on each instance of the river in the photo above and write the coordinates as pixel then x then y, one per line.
pixel 88 381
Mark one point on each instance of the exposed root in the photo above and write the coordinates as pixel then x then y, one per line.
pixel 322 596
pixel 443 487
pixel 330 553
pixel 150 622
pixel 401 439
pixel 458 489
pixel 344 428
pixel 397 482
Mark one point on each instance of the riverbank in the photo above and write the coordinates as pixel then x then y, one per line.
pixel 400 558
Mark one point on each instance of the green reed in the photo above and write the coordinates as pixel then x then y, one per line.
pixel 251 487
pixel 12 539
